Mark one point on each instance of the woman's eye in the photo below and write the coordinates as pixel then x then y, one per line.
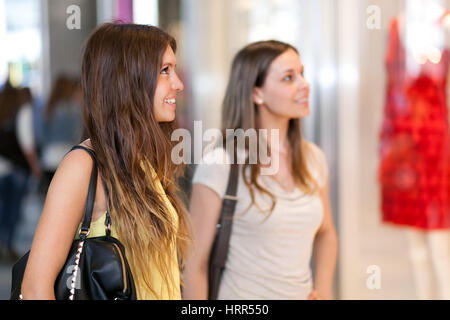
pixel 288 78
pixel 165 70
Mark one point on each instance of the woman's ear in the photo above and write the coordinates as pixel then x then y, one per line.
pixel 257 96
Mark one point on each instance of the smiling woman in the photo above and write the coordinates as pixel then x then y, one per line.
pixel 280 217
pixel 129 88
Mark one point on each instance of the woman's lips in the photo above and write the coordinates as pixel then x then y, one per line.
pixel 171 102
pixel 302 101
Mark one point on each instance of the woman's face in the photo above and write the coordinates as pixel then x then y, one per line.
pixel 167 87
pixel 285 92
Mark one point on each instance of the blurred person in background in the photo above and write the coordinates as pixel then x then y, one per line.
pixel 279 218
pixel 62 127
pixel 18 159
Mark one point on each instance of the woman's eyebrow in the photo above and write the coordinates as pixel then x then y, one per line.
pixel 170 64
pixel 293 70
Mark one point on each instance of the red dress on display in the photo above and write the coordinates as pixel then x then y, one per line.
pixel 415 158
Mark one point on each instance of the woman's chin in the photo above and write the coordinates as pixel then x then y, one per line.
pixel 302 113
pixel 167 117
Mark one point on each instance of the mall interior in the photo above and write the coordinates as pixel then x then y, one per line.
pixel 377 71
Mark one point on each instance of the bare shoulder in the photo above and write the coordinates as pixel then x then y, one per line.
pixel 77 162
pixel 67 192
pixel 71 179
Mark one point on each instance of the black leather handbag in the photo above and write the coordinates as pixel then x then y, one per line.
pixel 219 250
pixel 96 268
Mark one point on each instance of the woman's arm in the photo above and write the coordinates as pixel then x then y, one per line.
pixel 62 213
pixel 205 209
pixel 325 249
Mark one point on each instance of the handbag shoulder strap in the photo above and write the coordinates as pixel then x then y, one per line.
pixel 219 250
pixel 85 226
pixel 226 218
pixel 232 183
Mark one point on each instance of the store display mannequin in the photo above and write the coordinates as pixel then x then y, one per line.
pixel 415 145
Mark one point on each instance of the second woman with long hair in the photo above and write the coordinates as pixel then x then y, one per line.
pixel 279 217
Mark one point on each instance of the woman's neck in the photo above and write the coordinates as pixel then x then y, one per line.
pixel 271 122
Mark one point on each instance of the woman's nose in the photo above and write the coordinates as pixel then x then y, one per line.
pixel 303 84
pixel 177 84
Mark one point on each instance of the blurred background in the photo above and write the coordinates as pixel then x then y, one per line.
pixel 362 59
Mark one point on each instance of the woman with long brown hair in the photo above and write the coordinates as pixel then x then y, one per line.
pixel 129 89
pixel 280 216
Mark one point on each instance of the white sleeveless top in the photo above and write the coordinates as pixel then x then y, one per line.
pixel 269 257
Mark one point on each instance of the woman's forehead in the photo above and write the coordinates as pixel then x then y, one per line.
pixel 286 62
pixel 169 56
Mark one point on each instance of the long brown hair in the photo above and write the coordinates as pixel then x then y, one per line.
pixel 249 70
pixel 120 69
